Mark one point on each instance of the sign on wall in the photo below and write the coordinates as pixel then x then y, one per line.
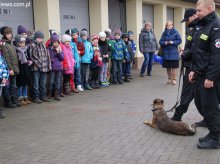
pixel 13 14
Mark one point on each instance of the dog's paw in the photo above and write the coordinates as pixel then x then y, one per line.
pixel 146 122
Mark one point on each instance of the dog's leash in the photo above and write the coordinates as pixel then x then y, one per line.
pixel 177 98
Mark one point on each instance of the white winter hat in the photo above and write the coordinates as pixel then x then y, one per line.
pixel 102 34
pixel 66 38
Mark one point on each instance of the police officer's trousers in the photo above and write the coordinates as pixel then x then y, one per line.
pixel 207 101
pixel 187 94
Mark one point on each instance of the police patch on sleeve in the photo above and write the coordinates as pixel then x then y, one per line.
pixel 217 43
pixel 216 29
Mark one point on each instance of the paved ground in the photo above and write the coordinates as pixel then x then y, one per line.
pixel 101 126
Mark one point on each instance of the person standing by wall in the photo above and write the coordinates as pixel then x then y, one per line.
pixel 9 53
pixel 169 41
pixel 205 72
pixel 41 65
pixel 147 46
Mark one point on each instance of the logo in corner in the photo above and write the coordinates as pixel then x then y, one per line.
pixel 217 43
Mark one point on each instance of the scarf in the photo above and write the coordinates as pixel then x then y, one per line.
pixel 22 54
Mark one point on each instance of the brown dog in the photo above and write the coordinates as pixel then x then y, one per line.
pixel 164 123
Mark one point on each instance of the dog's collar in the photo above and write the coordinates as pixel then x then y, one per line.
pixel 154 109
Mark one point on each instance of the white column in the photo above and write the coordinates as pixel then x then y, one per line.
pixel 98 13
pixel 134 23
pixel 46 16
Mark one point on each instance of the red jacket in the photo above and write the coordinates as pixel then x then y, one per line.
pixel 80 46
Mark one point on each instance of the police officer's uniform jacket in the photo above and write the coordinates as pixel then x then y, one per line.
pixel 206 57
pixel 206 65
pixel 190 44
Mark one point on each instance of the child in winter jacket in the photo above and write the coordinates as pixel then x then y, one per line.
pixel 96 64
pixel 3 77
pixel 133 44
pixel 41 65
pixel 56 56
pixel 119 55
pixel 9 53
pixel 127 63
pixel 105 53
pixel 134 48
pixel 86 60
pixel 68 63
pixel 24 77
pixel 110 41
pixel 77 56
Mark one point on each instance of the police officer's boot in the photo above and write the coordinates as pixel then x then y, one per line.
pixel 201 139
pixel 211 141
pixel 177 115
pixel 201 123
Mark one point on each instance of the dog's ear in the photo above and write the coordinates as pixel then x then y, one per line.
pixel 155 101
pixel 162 102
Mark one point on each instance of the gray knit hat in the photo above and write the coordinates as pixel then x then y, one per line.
pixel 83 33
pixel 19 38
pixel 38 34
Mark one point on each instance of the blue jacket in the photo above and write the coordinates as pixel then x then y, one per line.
pixel 75 54
pixel 170 51
pixel 3 69
pixel 88 55
pixel 120 50
pixel 134 47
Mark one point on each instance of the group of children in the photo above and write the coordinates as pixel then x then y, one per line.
pixel 68 64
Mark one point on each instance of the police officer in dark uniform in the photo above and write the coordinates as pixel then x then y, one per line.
pixel 187 95
pixel 206 72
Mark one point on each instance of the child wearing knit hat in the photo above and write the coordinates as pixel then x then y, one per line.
pixel 105 53
pixel 41 65
pixel 134 48
pixel 86 60
pixel 9 53
pixel 23 78
pixel 57 56
pixel 119 55
pixel 3 77
pixel 96 64
pixel 127 63
pixel 68 63
pixel 80 52
pixel 75 77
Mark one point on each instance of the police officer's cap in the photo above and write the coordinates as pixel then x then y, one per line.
pixel 188 13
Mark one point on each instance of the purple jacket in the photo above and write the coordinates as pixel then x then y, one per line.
pixel 56 59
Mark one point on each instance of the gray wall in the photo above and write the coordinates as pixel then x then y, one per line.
pixel 170 14
pixel 74 13
pixel 13 16
pixel 148 14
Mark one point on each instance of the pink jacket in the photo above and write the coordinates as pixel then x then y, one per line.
pixel 68 62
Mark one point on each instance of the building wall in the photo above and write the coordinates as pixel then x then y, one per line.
pixel 46 16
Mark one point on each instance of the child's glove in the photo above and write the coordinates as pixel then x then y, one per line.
pixel 4 81
pixel 11 73
pixel 30 62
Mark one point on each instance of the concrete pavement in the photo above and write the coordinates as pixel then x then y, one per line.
pixel 101 127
